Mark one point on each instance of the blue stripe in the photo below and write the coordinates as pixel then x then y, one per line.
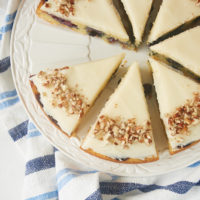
pixel 33 134
pixel 95 196
pixel 0 36
pixel 10 17
pixel 114 177
pixel 65 180
pixel 195 164
pixel 45 196
pixel 8 103
pixel 67 170
pixel 41 163
pixel 8 94
pixel 69 177
pixel 120 188
pixel 31 126
pixel 6 28
pixel 4 64
pixel 19 131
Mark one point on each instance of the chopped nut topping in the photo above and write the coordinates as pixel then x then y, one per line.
pixel 185 116
pixel 65 7
pixel 47 5
pixel 118 132
pixel 62 95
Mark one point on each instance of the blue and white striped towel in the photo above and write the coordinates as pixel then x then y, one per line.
pixel 51 175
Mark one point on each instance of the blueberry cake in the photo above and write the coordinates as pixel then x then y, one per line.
pixel 181 51
pixel 67 93
pixel 179 103
pixel 138 13
pixel 97 18
pixel 172 17
pixel 122 132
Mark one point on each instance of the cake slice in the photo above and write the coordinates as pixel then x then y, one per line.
pixel 138 12
pixel 96 18
pixel 179 103
pixel 173 15
pixel 66 94
pixel 182 50
pixel 122 132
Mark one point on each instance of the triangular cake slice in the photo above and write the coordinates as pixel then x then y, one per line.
pixel 173 14
pixel 66 94
pixel 184 49
pixel 179 103
pixel 96 18
pixel 122 132
pixel 138 12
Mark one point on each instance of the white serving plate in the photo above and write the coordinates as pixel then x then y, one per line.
pixel 36 45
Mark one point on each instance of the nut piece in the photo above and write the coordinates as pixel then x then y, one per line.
pixel 197 2
pixel 62 96
pixel 185 117
pixel 118 132
pixel 65 7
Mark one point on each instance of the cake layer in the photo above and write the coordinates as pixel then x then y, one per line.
pixel 67 93
pixel 123 130
pixel 172 15
pixel 179 104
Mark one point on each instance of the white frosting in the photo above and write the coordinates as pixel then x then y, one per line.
pixel 173 90
pixel 97 14
pixel 138 12
pixel 172 14
pixel 183 48
pixel 128 101
pixel 90 79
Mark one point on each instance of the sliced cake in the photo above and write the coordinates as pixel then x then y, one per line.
pixel 138 12
pixel 96 18
pixel 122 132
pixel 183 49
pixel 173 14
pixel 66 94
pixel 179 103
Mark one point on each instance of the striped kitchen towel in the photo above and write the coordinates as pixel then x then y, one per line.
pixel 51 175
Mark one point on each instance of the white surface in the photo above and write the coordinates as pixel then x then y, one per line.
pixel 45 45
pixel 11 168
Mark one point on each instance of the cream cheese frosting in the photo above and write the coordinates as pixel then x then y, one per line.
pixel 138 12
pixel 86 80
pixel 96 14
pixel 172 14
pixel 127 102
pixel 174 91
pixel 183 48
